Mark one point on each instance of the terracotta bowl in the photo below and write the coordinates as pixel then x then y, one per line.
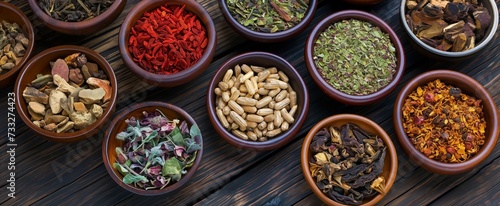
pixel 268 37
pixel 181 77
pixel 39 64
pixel 363 2
pixel 390 163
pixel 468 86
pixel 266 60
pixel 437 54
pixel 87 27
pixel 118 124
pixel 325 86
pixel 11 13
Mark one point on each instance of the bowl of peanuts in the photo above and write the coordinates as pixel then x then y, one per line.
pixel 257 101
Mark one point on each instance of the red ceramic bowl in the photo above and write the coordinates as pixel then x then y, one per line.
pixel 118 124
pixel 468 86
pixel 87 27
pixel 39 64
pixel 11 13
pixel 325 86
pixel 390 169
pixel 181 77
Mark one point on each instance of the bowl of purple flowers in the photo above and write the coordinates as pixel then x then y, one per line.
pixel 152 148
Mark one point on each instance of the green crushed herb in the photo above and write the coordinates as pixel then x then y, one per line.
pixel 268 16
pixel 355 57
pixel 156 152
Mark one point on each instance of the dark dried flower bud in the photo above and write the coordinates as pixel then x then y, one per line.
pixel 445 135
pixel 451 150
pixel 120 156
pixel 468 145
pixel 418 120
pixel 455 92
pixel 429 97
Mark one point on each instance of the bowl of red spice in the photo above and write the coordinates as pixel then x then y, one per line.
pixel 268 21
pixel 348 159
pixel 152 148
pixel 446 121
pixel 14 25
pixel 354 57
pixel 167 43
pixel 76 17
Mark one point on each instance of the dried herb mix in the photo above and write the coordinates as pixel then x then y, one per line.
pixel 268 16
pixel 13 45
pixel 347 163
pixel 355 57
pixel 74 10
pixel 167 40
pixel 443 123
pixel 448 25
pixel 157 151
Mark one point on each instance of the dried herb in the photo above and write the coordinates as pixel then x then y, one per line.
pixel 448 25
pixel 347 163
pixel 355 57
pixel 443 123
pixel 13 45
pixel 74 10
pixel 156 151
pixel 167 40
pixel 268 16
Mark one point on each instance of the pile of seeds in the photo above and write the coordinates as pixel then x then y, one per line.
pixel 71 98
pixel 255 103
pixel 13 45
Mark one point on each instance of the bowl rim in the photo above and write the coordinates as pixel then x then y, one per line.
pixel 270 144
pixel 431 164
pixel 81 26
pixel 30 34
pixel 170 79
pixel 337 94
pixel 91 129
pixel 114 124
pixel 484 42
pixel 304 155
pixel 268 37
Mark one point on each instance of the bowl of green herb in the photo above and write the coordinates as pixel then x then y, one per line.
pixel 152 148
pixel 268 21
pixel 355 57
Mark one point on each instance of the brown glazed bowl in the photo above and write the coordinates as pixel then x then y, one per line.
pixel 449 56
pixel 87 27
pixel 39 64
pixel 181 77
pixel 268 37
pixel 468 86
pixel 327 88
pixel 118 124
pixel 390 163
pixel 11 13
pixel 266 60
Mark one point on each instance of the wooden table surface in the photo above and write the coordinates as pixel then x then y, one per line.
pixel 49 173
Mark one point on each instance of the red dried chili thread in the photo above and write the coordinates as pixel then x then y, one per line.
pixel 167 40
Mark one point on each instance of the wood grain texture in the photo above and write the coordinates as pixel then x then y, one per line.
pixel 50 173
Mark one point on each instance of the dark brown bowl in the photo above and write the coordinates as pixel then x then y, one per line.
pixel 268 37
pixel 341 96
pixel 11 13
pixel 390 163
pixel 87 27
pixel 266 60
pixel 468 86
pixel 437 54
pixel 39 64
pixel 118 124
pixel 363 2
pixel 181 77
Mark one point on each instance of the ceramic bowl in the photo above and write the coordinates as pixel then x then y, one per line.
pixel 437 54
pixel 118 124
pixel 468 86
pixel 87 27
pixel 268 37
pixel 363 2
pixel 181 77
pixel 39 64
pixel 11 13
pixel 265 60
pixel 325 86
pixel 390 163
